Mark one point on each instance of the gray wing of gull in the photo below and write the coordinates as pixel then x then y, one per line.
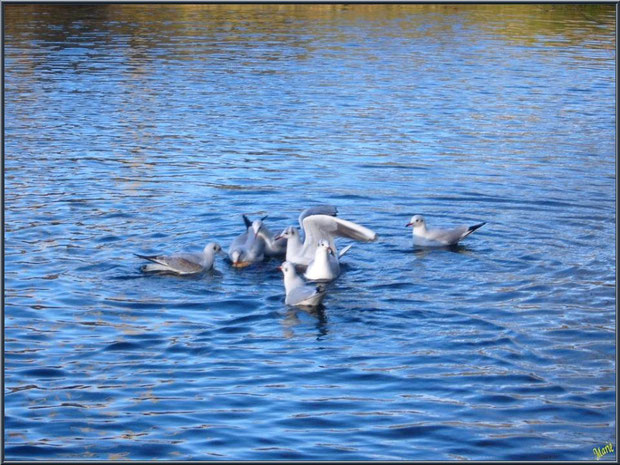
pixel 252 248
pixel 301 294
pixel 448 236
pixel 329 210
pixel 255 248
pixel 238 242
pixel 181 263
pixel 319 227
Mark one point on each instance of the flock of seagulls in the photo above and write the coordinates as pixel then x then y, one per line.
pixel 315 256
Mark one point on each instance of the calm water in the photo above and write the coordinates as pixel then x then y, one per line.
pixel 152 128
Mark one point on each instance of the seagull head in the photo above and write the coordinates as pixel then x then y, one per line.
pixel 287 269
pixel 323 244
pixel 212 246
pixel 235 256
pixel 416 221
pixel 287 233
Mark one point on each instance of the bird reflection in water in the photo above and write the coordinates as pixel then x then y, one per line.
pixel 294 316
pixel 422 252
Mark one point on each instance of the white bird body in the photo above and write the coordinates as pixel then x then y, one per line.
pixel 183 263
pixel 424 237
pixel 247 248
pixel 294 251
pixel 325 266
pixel 294 247
pixel 297 292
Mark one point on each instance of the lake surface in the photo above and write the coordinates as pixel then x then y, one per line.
pixel 150 128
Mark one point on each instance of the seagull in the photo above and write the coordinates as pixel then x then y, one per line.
pixel 424 237
pixel 326 265
pixel 273 247
pixel 329 210
pixel 183 263
pixel 317 228
pixel 247 248
pixel 297 292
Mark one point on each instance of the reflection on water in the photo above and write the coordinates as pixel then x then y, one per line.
pixel 152 128
pixel 296 317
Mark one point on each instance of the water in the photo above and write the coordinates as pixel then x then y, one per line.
pixel 144 128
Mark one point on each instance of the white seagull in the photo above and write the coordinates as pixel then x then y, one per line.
pixel 329 210
pixel 297 292
pixel 424 237
pixel 183 263
pixel 247 248
pixel 317 228
pixel 326 265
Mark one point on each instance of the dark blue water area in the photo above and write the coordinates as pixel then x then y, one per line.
pixel 153 128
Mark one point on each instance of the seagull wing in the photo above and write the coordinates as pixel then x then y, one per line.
pixel 448 236
pixel 329 210
pixel 318 227
pixel 305 295
pixel 183 263
pixel 238 242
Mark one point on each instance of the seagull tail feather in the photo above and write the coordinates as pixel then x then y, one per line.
pixel 147 257
pixel 471 229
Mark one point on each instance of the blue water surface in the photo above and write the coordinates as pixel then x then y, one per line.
pixel 150 128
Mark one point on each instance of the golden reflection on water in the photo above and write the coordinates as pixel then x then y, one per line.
pixel 147 24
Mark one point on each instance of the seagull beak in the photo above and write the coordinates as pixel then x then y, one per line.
pixel 278 237
pixel 331 251
pixel 408 224
pixel 279 268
